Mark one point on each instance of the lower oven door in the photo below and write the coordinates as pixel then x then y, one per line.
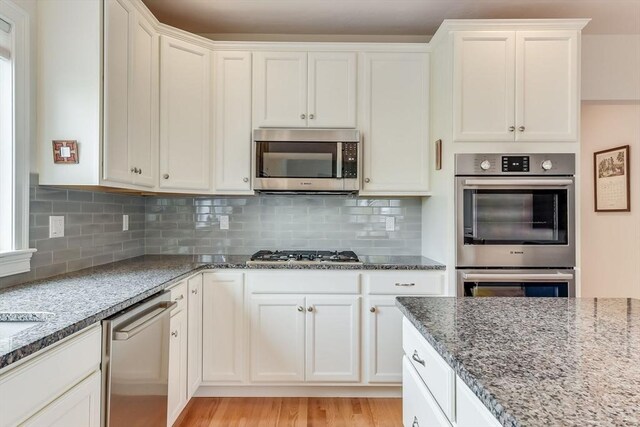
pixel 516 283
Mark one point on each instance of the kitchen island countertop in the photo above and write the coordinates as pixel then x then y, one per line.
pixel 540 361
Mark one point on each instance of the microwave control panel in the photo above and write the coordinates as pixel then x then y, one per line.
pixel 350 160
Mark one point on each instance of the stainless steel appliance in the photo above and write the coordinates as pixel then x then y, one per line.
pixel 515 210
pixel 135 364
pixel 516 283
pixel 318 160
pixel 304 257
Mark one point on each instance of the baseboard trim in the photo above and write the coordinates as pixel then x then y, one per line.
pixel 299 391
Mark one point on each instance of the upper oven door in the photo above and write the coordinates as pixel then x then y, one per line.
pixel 515 222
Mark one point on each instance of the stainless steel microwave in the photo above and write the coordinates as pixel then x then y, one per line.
pixel 306 160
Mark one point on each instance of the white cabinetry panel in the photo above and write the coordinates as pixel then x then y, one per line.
pixel 177 391
pixel 419 408
pixel 384 339
pixel 194 337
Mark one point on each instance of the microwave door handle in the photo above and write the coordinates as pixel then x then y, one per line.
pixel 339 155
pixel 548 277
pixel 518 182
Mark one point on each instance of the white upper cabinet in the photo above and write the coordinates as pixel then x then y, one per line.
pixel 232 121
pixel 395 129
pixel 296 89
pixel 515 86
pixel 130 97
pixel 332 90
pixel 185 135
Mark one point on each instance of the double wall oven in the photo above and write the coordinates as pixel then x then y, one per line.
pixel 515 224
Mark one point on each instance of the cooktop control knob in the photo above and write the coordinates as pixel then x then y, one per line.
pixel 547 165
pixel 485 165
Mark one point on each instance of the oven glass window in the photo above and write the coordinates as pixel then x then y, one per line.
pixel 515 289
pixel 520 217
pixel 296 159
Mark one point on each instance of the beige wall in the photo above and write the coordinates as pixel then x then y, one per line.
pixel 610 241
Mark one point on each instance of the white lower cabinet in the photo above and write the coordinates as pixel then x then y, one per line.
pixel 79 407
pixel 194 335
pixel 384 339
pixel 470 412
pixel 419 408
pixel 177 392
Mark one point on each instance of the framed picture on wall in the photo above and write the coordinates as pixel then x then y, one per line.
pixel 612 181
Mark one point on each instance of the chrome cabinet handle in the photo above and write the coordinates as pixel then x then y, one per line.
pixel 174 334
pixel 303 116
pixel 194 291
pixel 311 116
pixel 521 128
pixel 367 180
pixel 140 171
pixel 309 309
pixel 405 284
pixel 300 308
pixel 165 176
pixel 512 128
pixel 179 297
pixel 134 170
pixel 415 422
pixel 372 309
pixel 416 357
pixel 245 179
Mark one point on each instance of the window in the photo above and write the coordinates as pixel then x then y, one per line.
pixel 15 254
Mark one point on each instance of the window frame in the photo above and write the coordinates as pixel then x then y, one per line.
pixel 18 259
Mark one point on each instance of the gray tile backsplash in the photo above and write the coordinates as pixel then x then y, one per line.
pixel 187 225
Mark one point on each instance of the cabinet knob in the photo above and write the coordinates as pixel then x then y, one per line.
pixel 174 334
pixel 303 116
pixel 521 128
pixel 165 176
pixel 367 180
pixel 245 179
pixel 309 309
pixel 300 308
pixel 194 291
pixel 372 309
pixel 311 116
pixel 512 128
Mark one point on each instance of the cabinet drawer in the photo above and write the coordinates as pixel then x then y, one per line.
pixel 308 282
pixel 419 409
pixel 179 295
pixel 404 283
pixel 434 371
pixel 32 385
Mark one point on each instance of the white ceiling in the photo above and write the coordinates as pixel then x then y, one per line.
pixel 381 17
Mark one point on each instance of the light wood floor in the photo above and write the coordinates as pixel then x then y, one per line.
pixel 291 412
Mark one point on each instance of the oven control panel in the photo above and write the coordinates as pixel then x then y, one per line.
pixel 515 163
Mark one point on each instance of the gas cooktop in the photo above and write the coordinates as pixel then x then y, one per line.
pixel 304 257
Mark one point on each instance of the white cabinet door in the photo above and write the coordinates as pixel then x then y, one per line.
pixel 470 411
pixel 547 101
pixel 384 339
pixel 119 16
pixel 185 81
pixel 484 86
pixel 333 338
pixel 332 90
pixel 277 338
pixel 78 407
pixel 280 89
pixel 143 123
pixel 194 336
pixel 419 408
pixel 396 118
pixel 177 393
pixel 232 121
pixel 223 346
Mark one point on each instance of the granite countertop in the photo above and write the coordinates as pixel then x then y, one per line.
pixel 65 304
pixel 540 361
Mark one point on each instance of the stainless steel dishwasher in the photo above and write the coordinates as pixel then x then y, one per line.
pixel 135 364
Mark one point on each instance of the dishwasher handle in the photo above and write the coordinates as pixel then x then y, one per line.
pixel 151 316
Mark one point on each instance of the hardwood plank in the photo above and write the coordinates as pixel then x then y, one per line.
pixel 291 412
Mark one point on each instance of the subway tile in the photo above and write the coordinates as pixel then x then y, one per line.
pixel 66 207
pixel 80 196
pixel 66 255
pixel 79 264
pixel 40 206
pixel 45 193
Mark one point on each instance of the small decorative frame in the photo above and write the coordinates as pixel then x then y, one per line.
pixel 438 154
pixel 612 183
pixel 65 152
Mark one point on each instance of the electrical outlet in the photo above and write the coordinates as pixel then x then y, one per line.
pixel 56 226
pixel 390 223
pixel 224 222
pixel 125 222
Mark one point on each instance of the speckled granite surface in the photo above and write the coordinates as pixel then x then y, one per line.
pixel 540 361
pixel 65 304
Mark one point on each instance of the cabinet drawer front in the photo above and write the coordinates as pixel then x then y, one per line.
pixel 434 371
pixel 327 282
pixel 34 384
pixel 419 409
pixel 404 283
pixel 179 295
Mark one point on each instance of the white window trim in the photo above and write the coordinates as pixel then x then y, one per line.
pixel 19 260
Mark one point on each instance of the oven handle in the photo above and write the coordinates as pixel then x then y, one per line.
pixel 550 277
pixel 519 182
